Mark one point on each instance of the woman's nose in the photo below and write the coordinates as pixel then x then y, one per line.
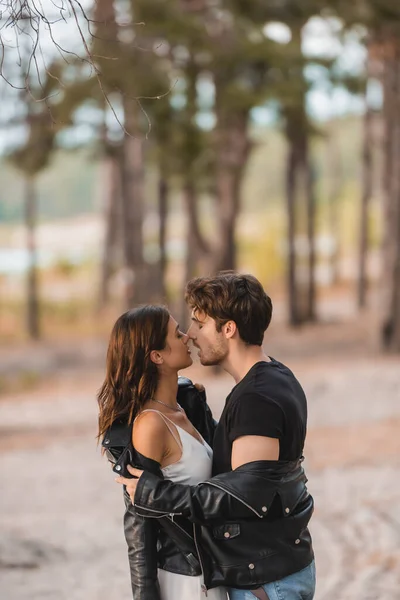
pixel 185 338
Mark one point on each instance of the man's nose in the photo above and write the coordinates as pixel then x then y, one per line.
pixel 189 332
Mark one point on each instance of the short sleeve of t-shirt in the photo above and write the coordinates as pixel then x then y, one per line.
pixel 253 414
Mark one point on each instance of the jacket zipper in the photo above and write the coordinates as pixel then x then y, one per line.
pixel 220 487
pixel 179 527
pixel 160 512
pixel 203 585
pixel 236 497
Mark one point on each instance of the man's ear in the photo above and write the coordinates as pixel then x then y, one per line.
pixel 156 357
pixel 230 329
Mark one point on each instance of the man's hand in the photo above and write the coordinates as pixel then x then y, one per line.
pixel 131 484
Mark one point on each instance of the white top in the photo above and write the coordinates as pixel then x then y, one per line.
pixel 195 463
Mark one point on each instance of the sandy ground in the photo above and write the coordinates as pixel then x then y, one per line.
pixel 61 512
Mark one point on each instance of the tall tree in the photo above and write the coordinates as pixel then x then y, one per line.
pixel 300 186
pixel 134 74
pixel 335 180
pixel 111 197
pixel 391 251
pixel 367 183
pixel 30 159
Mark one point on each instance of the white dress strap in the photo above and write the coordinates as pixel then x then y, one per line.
pixel 166 421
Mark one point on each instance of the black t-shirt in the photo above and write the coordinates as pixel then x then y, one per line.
pixel 268 401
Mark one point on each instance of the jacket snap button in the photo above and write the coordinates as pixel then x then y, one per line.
pixel 118 468
pixel 251 566
pixel 264 508
pixel 287 510
pixel 297 541
pixel 227 534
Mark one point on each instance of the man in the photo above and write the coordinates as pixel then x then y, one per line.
pixel 263 551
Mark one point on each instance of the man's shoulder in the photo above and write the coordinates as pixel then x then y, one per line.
pixel 252 396
pixel 270 383
pixel 272 367
pixel 273 373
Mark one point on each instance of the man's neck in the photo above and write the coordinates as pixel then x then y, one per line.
pixel 240 360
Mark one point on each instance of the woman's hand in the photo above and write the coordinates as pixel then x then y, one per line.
pixel 131 484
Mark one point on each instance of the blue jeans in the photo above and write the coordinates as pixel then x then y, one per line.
pixel 298 586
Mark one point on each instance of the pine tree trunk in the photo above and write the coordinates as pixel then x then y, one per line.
pixel 226 255
pixel 391 249
pixel 336 182
pixel 365 202
pixel 300 196
pixel 196 237
pixel 195 246
pixel 300 192
pixel 291 172
pixel 112 210
pixel 311 312
pixel 32 315
pixel 132 173
pixel 233 148
pixel 162 233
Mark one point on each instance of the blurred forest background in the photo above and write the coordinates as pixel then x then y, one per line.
pixel 147 142
pixel 143 142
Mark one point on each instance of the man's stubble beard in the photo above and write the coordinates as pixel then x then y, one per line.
pixel 215 356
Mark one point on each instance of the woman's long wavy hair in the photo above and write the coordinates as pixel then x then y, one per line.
pixel 131 376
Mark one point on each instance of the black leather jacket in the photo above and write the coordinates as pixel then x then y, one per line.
pixel 249 525
pixel 165 542
pixel 238 542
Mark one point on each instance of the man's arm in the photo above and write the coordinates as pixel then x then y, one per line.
pixel 246 449
pixel 198 503
pixel 152 496
pixel 249 448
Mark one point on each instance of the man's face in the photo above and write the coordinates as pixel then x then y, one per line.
pixel 212 345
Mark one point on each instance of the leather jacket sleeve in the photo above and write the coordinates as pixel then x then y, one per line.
pixel 141 537
pixel 199 503
pixel 245 493
pixel 141 534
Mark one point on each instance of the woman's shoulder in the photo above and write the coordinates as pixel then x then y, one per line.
pixel 149 420
pixel 149 434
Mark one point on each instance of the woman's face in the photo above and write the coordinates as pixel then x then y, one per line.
pixel 176 354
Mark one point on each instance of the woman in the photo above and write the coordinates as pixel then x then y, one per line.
pixel 145 353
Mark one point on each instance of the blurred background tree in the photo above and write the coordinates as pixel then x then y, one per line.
pixel 167 103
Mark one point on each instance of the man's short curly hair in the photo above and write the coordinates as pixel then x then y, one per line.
pixel 230 296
